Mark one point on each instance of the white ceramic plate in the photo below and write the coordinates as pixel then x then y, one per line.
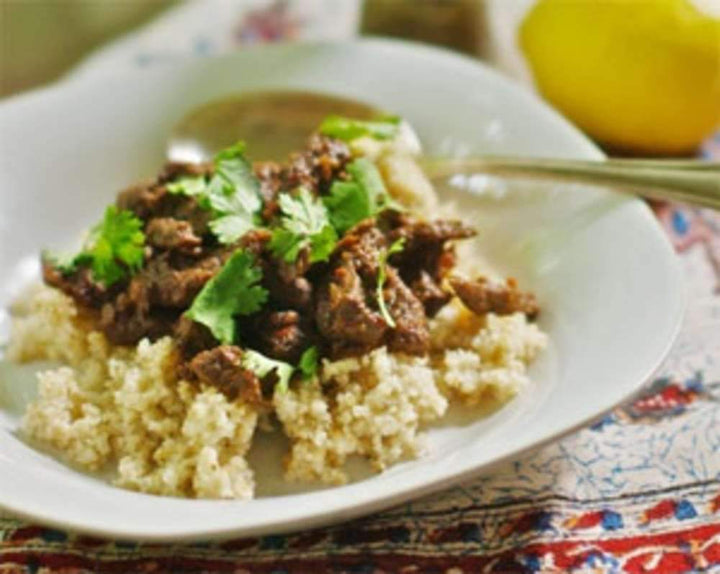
pixel 607 278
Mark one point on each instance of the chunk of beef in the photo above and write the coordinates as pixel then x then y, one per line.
pixel 410 334
pixel 285 282
pixel 174 170
pixel 365 242
pixel 174 281
pixel 167 233
pixel 426 245
pixel 483 296
pixel 79 285
pixel 188 209
pixel 129 318
pixel 270 175
pixel 281 335
pixel 430 293
pixel 145 199
pixel 323 161
pixel 222 368
pixel 192 338
pixel 343 316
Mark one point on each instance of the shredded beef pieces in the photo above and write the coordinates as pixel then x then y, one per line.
pixel 347 312
pixel 483 296
pixel 318 166
pixel 167 233
pixel 333 305
pixel 222 368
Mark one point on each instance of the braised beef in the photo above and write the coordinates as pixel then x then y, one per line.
pixel 430 293
pixel 318 166
pixel 171 234
pixel 344 318
pixel 192 338
pixel 270 175
pixel 174 170
pixel 281 335
pixel 130 318
pixel 410 334
pixel 145 199
pixel 222 368
pixel 79 285
pixel 332 305
pixel 484 296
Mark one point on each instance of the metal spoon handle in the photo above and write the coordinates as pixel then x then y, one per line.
pixel 693 182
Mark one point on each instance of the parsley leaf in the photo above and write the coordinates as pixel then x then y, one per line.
pixel 262 366
pixel 304 223
pixel 396 247
pixel 309 362
pixel 363 196
pixel 115 248
pixel 233 291
pixel 348 129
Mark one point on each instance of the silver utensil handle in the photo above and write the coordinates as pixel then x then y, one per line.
pixel 693 182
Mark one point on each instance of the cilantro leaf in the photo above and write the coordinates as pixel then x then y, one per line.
pixel 363 196
pixel 348 129
pixel 189 186
pixel 63 262
pixel 304 223
pixel 322 244
pixel 347 204
pixel 396 247
pixel 229 228
pixel 243 187
pixel 285 244
pixel 233 291
pixel 115 248
pixel 232 194
pixel 262 366
pixel 309 362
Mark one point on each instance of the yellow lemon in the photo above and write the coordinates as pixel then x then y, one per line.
pixel 639 75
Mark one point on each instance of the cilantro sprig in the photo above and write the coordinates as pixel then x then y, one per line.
pixel 262 366
pixel 235 290
pixel 304 223
pixel 348 129
pixel 309 363
pixel 396 247
pixel 232 194
pixel 363 196
pixel 114 249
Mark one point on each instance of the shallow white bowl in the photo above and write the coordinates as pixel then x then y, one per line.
pixel 607 279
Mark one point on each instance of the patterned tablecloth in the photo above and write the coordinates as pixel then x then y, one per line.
pixel 637 492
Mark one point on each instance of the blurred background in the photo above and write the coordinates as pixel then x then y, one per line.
pixel 639 76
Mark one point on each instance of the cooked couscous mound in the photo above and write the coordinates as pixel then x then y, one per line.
pixel 111 407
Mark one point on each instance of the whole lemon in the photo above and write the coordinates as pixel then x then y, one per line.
pixel 638 75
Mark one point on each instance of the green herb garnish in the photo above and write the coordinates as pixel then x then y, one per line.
pixel 235 290
pixel 113 250
pixel 189 186
pixel 232 194
pixel 396 247
pixel 363 196
pixel 309 362
pixel 262 366
pixel 348 129
pixel 304 224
